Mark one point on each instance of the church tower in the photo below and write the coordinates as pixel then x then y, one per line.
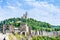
pixel 24 28
pixel 25 15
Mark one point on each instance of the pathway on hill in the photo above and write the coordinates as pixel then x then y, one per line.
pixel 2 36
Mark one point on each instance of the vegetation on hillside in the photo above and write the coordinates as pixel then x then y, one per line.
pixel 34 24
pixel 45 38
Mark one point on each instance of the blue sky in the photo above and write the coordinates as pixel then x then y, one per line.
pixel 42 10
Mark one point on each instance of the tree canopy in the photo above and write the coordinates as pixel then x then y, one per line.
pixel 34 24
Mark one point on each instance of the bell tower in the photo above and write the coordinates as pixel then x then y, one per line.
pixel 25 15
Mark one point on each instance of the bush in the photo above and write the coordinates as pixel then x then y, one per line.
pixel 45 38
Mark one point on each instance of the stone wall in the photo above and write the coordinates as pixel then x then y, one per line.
pixel 44 33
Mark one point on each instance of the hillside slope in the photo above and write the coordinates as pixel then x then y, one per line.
pixel 34 24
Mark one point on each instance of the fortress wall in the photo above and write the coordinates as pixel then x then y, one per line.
pixel 44 33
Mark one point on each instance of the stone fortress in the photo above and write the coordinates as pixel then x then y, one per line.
pixel 24 29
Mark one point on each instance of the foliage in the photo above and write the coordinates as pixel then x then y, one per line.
pixel 9 36
pixel 34 24
pixel 17 36
pixel 45 38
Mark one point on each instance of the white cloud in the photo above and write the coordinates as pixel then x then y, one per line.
pixel 49 0
pixel 45 12
pixel 18 4
pixel 2 14
pixel 11 7
pixel 42 11
pixel 10 12
pixel 14 3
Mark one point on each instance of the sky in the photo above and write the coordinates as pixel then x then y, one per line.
pixel 41 10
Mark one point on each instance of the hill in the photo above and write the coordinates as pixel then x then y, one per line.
pixel 34 24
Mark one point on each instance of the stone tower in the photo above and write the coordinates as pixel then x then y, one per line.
pixel 25 15
pixel 24 28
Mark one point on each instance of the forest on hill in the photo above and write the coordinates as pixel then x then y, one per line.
pixel 34 24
